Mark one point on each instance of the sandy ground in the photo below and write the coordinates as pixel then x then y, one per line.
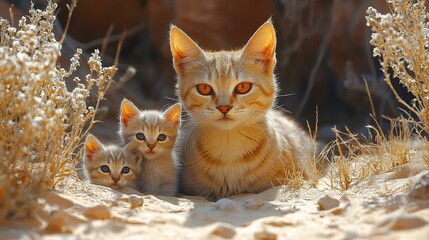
pixel 386 206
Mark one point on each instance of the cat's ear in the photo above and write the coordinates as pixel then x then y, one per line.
pixel 183 48
pixel 173 114
pixel 128 111
pixel 132 149
pixel 92 146
pixel 262 46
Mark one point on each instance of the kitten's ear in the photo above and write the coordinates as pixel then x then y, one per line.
pixel 132 148
pixel 92 146
pixel 173 114
pixel 183 48
pixel 128 111
pixel 138 158
pixel 262 45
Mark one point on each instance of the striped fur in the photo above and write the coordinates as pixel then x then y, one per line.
pixel 250 148
pixel 115 158
pixel 159 166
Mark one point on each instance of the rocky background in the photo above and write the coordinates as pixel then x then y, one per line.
pixel 323 52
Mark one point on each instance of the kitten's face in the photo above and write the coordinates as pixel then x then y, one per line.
pixel 154 132
pixel 110 165
pixel 226 89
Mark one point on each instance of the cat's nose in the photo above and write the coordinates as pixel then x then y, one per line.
pixel 115 179
pixel 151 146
pixel 224 108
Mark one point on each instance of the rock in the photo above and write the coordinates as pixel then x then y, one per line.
pixel 225 204
pixel 98 212
pixel 337 211
pixel 54 198
pixel 223 230
pixel 326 203
pixel 136 201
pixel 402 222
pixel 420 189
pixel 252 204
pixel 58 222
pixel 264 235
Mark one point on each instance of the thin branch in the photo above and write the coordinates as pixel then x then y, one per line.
pixel 71 9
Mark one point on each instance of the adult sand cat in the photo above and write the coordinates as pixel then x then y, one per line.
pixel 110 165
pixel 154 134
pixel 234 142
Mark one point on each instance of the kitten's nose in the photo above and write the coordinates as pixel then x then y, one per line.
pixel 115 179
pixel 224 108
pixel 151 146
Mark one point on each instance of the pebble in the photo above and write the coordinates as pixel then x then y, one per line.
pixel 326 203
pixel 225 204
pixel 264 235
pixel 58 222
pixel 223 230
pixel 420 189
pixel 402 222
pixel 98 212
pixel 54 198
pixel 136 201
pixel 252 204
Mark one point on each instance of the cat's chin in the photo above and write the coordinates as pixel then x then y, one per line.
pixel 150 155
pixel 225 123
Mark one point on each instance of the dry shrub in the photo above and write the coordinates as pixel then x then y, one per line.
pixel 400 39
pixel 357 157
pixel 42 122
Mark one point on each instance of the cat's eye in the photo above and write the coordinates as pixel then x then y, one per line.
pixel 162 137
pixel 243 87
pixel 204 89
pixel 125 170
pixel 140 136
pixel 105 168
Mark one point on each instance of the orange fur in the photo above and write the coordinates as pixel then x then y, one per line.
pixel 158 168
pixel 234 142
pixel 115 158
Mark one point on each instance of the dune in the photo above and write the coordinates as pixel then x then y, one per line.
pixel 392 205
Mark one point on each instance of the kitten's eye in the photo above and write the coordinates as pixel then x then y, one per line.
pixel 243 87
pixel 140 136
pixel 105 169
pixel 204 89
pixel 125 170
pixel 162 137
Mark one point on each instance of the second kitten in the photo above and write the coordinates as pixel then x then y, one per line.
pixel 154 133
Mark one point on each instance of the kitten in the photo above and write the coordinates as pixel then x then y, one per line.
pixel 234 142
pixel 110 165
pixel 154 133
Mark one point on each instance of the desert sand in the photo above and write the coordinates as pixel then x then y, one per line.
pixel 392 205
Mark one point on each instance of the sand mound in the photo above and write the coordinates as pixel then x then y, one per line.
pixel 393 205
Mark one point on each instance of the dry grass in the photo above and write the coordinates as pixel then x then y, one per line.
pixel 400 40
pixel 42 122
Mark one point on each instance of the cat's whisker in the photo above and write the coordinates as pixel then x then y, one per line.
pixel 285 95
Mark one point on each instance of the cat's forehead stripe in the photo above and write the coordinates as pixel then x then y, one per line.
pixel 224 68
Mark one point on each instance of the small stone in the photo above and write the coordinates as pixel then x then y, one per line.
pixel 98 212
pixel 252 204
pixel 337 211
pixel 420 189
pixel 225 204
pixel 54 198
pixel 264 235
pixel 223 230
pixel 58 222
pixel 136 201
pixel 326 203
pixel 402 222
